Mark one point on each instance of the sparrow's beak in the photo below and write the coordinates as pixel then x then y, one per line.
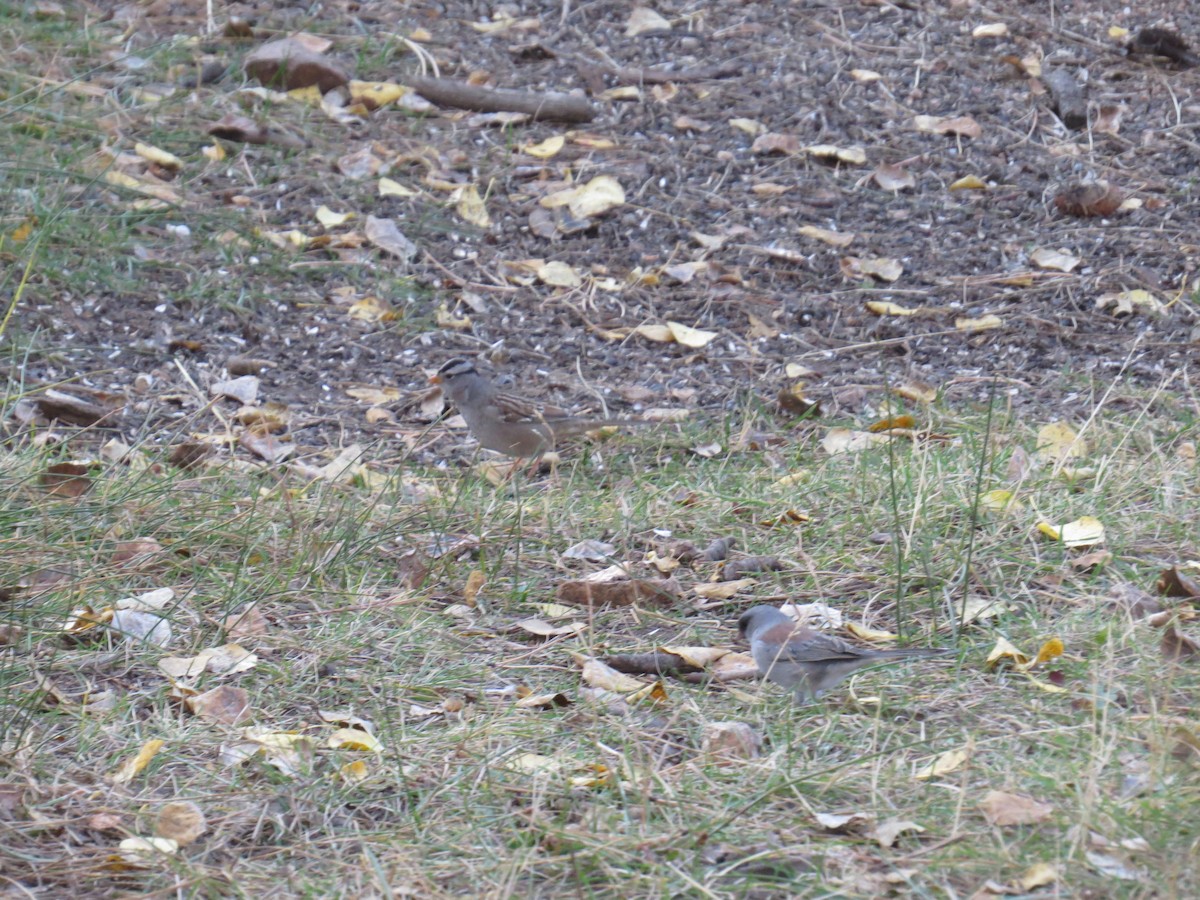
pixel 435 378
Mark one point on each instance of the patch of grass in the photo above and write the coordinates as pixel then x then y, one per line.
pixel 618 799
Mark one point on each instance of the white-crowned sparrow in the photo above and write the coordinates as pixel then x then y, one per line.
pixel 505 422
pixel 810 662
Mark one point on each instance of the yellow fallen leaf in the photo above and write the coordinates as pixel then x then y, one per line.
pixel 1004 651
pixel 1059 442
pixel 129 769
pixel 874 635
pixel 1083 532
pixel 558 274
pixel 982 323
pixel 944 763
pixel 158 157
pixel 354 739
pixel 331 219
pixel 999 501
pixel 833 238
pixel 375 94
pixel 969 183
pixel 390 188
pixel 551 146
pixel 471 208
pixel 887 308
pixel 691 337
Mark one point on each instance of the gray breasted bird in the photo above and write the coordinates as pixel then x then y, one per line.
pixel 810 662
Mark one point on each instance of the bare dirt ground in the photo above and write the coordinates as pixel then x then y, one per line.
pixel 711 232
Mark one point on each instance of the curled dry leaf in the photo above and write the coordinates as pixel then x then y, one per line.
pixel 225 705
pixel 878 268
pixel 1089 200
pixel 782 144
pixel 1175 582
pixel 135 764
pixel 180 821
pixel 893 178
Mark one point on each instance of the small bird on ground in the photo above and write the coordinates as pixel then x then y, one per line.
pixel 507 423
pixel 810 662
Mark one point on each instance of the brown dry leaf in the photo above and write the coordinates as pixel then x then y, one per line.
pixel 543 701
pixel 67 479
pixel 893 178
pixel 1030 65
pixel 601 675
pixel 134 765
pixel 831 153
pixel 385 235
pixel 1057 260
pixel 783 144
pixel 878 268
pixel 659 592
pixel 833 238
pixel 135 553
pixel 241 129
pixel 1091 562
pixel 642 20
pixel 724 742
pixel 1001 808
pixel 1176 645
pixel 542 628
pixel 248 622
pixel 961 126
pixel 243 389
pixel 792 400
pixel 722 590
pixel 1089 200
pixel 225 705
pixel 844 823
pixel 180 821
pixel 376 396
pixel 1175 582
pixel 289 64
pixel 265 445
pixel 1126 303
pixel 1108 118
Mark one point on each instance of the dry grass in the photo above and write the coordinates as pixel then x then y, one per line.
pixel 448 808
